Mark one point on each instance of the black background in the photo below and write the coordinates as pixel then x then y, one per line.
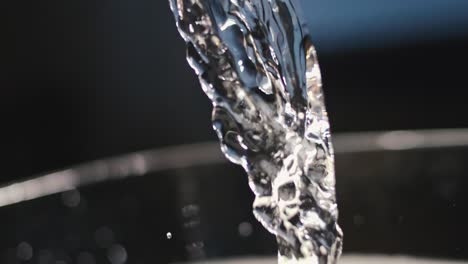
pixel 87 79
pixel 81 80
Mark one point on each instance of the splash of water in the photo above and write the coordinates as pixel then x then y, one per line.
pixel 256 63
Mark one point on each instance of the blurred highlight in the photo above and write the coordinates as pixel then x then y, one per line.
pixel 140 163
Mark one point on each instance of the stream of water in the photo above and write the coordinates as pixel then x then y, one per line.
pixel 257 64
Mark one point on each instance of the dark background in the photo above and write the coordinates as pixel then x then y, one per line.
pixel 87 79
pixel 81 80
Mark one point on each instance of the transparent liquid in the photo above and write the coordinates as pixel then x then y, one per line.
pixel 255 61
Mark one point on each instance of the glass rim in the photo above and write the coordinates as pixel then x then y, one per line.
pixel 208 153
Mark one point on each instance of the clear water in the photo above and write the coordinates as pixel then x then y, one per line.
pixel 255 61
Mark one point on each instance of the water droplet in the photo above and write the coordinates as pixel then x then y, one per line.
pixel 245 229
pixel 24 251
pixel 117 254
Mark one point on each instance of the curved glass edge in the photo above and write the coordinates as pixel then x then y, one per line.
pixel 186 156
pixel 347 259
